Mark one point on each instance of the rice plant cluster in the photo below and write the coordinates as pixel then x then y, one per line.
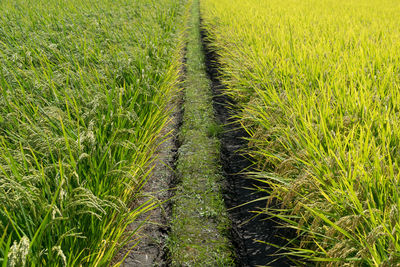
pixel 319 87
pixel 84 88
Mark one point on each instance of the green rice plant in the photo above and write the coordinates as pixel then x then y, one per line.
pixel 318 85
pixel 84 93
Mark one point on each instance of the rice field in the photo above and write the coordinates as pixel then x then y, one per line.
pixel 318 85
pixel 84 89
pixel 85 93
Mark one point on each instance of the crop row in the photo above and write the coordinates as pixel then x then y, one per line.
pixel 319 88
pixel 84 88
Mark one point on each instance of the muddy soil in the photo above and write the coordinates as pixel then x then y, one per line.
pixel 151 250
pixel 246 230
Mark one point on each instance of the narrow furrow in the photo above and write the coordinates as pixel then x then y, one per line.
pixel 250 233
pixel 153 226
pixel 199 223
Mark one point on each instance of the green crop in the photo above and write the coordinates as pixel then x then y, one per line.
pixel 319 87
pixel 84 89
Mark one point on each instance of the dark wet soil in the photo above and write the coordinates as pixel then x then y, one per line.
pixel 246 230
pixel 151 250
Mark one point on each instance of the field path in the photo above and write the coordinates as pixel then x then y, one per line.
pixel 210 222
pixel 199 222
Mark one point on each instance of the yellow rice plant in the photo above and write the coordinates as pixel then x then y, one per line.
pixel 318 85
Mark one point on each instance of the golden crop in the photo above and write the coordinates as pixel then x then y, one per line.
pixel 318 82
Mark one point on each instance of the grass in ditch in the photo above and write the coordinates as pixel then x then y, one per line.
pixel 199 221
pixel 84 87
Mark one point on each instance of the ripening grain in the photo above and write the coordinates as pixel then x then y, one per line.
pixel 319 84
pixel 83 92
